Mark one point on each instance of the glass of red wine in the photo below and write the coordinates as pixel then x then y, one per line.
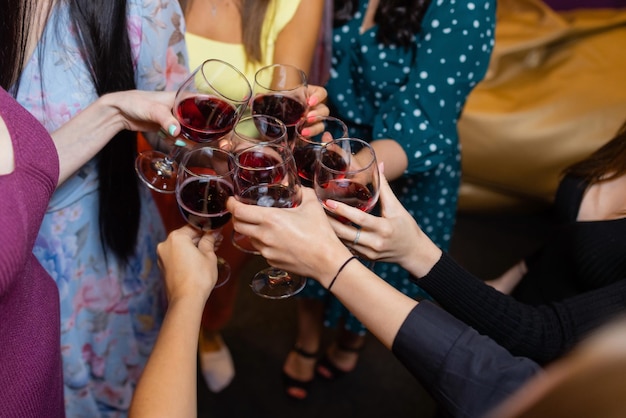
pixel 207 105
pixel 266 175
pixel 311 134
pixel 347 172
pixel 250 131
pixel 280 90
pixel 203 185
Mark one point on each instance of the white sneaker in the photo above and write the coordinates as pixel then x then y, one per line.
pixel 217 367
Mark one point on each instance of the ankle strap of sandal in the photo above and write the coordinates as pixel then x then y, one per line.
pixel 304 353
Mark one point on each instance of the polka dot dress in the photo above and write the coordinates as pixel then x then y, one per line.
pixel 413 96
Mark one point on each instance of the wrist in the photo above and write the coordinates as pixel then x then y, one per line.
pixel 193 300
pixel 333 262
pixel 111 114
pixel 422 259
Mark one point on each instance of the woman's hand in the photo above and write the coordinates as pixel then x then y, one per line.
pixel 299 240
pixel 317 98
pixel 144 111
pixel 189 264
pixel 83 136
pixel 394 237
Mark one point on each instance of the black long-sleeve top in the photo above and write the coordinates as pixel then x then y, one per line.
pixel 540 332
pixel 578 257
pixel 575 282
pixel 467 373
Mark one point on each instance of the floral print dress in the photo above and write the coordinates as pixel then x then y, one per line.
pixel 415 97
pixel 110 313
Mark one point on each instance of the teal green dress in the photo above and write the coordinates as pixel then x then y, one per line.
pixel 415 97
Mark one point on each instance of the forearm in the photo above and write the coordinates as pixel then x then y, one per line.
pixel 297 42
pixel 81 138
pixel 381 307
pixel 509 279
pixel 392 154
pixel 167 387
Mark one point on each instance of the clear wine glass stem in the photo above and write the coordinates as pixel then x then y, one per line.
pixel 158 169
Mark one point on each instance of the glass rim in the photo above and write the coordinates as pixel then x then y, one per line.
pixel 366 144
pixel 274 120
pixel 229 157
pixel 285 160
pixel 303 78
pixel 319 118
pixel 241 75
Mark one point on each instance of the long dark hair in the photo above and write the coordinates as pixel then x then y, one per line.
pixel 398 20
pixel 103 36
pixel 252 17
pixel 607 163
pixel 16 20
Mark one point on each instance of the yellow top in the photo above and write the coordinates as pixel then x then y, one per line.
pixel 279 13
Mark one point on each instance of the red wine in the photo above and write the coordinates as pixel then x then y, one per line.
pixel 348 192
pixel 306 160
pixel 205 118
pixel 202 202
pixel 273 195
pixel 282 107
pixel 333 161
pixel 258 161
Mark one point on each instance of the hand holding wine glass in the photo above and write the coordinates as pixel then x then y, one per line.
pixel 207 106
pixel 265 175
pixel 204 184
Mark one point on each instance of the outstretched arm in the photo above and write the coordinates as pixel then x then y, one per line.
pixel 301 240
pixel 81 138
pixel 167 387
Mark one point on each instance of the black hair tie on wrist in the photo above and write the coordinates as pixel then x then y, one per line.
pixel 345 263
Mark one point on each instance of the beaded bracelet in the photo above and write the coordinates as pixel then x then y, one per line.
pixel 332 282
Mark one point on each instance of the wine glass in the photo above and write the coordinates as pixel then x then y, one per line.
pixel 266 175
pixel 207 105
pixel 249 131
pixel 311 134
pixel 203 185
pixel 347 172
pixel 280 90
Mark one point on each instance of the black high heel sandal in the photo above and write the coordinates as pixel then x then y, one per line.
pixel 291 382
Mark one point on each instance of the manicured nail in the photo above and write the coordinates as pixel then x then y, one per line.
pixel 180 143
pixel 306 132
pixel 312 101
pixel 172 129
pixel 331 204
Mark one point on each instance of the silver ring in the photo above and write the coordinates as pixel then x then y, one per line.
pixel 358 235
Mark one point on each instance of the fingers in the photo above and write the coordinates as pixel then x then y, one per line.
pixel 317 97
pixel 146 110
pixel 354 215
pixel 206 244
pixel 188 231
pixel 162 113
